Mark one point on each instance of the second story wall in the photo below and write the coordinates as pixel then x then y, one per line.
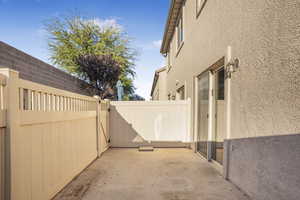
pixel 264 36
pixel 162 81
pixel 160 87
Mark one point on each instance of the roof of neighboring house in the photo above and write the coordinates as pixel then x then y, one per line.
pixel 156 75
pixel 174 12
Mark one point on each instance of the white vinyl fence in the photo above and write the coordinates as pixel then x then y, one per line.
pixel 51 136
pixel 162 123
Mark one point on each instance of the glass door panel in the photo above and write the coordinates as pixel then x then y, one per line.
pixel 203 100
pixel 217 151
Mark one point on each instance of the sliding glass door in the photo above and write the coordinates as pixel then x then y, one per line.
pixel 219 135
pixel 203 103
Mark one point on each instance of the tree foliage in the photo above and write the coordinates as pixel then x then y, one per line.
pixel 102 71
pixel 98 55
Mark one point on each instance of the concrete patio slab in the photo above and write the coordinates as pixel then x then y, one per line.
pixel 164 174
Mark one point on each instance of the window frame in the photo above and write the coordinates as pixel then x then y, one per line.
pixel 181 93
pixel 199 6
pixel 180 31
pixel 181 22
pixel 169 65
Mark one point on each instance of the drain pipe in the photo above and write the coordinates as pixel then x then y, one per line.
pixel 228 114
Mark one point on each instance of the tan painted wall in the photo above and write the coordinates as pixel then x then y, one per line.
pixel 155 95
pixel 133 124
pixel 53 137
pixel 265 37
pixel 162 81
pixel 160 89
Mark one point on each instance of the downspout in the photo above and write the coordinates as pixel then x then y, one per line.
pixel 227 145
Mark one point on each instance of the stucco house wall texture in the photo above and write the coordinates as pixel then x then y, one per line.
pixel 159 87
pixel 35 70
pixel 265 36
pixel 265 91
pixel 155 94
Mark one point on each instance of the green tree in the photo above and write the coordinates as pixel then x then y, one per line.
pixel 81 47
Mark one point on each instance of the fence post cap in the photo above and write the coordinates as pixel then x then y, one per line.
pixel 5 70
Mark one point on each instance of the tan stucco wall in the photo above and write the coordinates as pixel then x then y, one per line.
pixel 162 81
pixel 265 36
pixel 155 94
pixel 160 89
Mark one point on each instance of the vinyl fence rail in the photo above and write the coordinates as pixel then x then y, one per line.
pixel 51 135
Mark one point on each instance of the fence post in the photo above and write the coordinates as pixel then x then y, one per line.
pixel 98 104
pixel 2 134
pixel 11 96
pixel 107 121
pixel 102 126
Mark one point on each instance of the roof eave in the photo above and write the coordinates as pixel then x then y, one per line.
pixel 156 76
pixel 168 29
pixel 163 45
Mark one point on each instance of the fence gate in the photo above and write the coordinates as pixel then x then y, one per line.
pixel 163 123
pixel 103 126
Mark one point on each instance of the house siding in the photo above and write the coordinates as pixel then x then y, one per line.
pixel 160 88
pixel 266 168
pixel 265 91
pixel 265 37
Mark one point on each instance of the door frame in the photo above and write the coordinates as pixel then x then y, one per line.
pixel 226 60
pixel 210 110
pixel 211 107
pixel 214 111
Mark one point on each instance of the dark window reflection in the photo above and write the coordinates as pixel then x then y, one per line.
pixel 220 82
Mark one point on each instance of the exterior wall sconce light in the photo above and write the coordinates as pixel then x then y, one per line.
pixel 232 67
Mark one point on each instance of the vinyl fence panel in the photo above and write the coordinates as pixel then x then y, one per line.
pixel 139 122
pixel 52 138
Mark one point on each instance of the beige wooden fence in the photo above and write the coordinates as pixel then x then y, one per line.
pixel 51 137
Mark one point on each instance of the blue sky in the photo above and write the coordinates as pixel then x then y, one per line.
pixel 21 23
